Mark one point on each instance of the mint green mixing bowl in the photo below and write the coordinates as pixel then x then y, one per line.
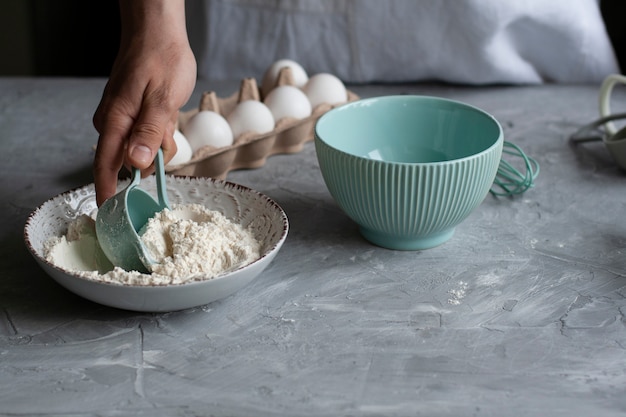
pixel 408 169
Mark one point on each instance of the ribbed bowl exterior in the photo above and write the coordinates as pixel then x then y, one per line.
pixel 407 200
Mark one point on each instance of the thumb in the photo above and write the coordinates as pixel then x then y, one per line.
pixel 146 138
pixel 141 156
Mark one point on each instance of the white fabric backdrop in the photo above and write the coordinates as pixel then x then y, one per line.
pixel 460 41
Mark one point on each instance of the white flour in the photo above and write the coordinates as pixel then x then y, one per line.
pixel 188 243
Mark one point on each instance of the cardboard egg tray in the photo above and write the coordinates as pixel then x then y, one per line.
pixel 248 150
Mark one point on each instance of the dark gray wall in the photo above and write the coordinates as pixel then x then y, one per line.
pixel 58 38
pixel 614 13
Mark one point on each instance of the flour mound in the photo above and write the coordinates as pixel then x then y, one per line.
pixel 78 249
pixel 188 243
pixel 192 240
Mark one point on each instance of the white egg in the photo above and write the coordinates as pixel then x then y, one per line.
pixel 300 77
pixel 208 128
pixel 183 149
pixel 250 116
pixel 325 88
pixel 288 101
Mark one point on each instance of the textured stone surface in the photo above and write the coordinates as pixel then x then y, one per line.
pixel 521 313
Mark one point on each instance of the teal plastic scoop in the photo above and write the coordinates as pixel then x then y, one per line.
pixel 121 217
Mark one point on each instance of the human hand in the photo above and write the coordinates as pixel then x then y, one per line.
pixel 152 78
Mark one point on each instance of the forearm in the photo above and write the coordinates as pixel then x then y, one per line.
pixel 152 21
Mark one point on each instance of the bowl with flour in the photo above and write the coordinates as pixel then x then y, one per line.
pixel 217 237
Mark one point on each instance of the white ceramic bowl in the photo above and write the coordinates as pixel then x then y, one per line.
pixel 236 202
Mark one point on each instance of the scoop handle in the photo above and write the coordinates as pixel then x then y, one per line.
pixel 136 178
pixel 160 180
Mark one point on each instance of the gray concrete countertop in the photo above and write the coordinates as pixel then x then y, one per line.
pixel 521 313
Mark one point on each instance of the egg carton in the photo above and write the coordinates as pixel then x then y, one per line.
pixel 249 150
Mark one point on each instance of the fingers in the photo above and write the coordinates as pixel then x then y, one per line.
pixel 130 140
pixel 109 158
pixel 107 164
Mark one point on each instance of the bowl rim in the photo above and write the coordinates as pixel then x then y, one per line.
pixel 267 253
pixel 364 101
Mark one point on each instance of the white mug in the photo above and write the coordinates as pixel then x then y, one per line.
pixel 615 140
pixel 605 99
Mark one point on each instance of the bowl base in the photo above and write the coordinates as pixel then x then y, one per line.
pixel 406 243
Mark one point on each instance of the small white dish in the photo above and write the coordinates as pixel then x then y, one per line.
pixel 241 204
